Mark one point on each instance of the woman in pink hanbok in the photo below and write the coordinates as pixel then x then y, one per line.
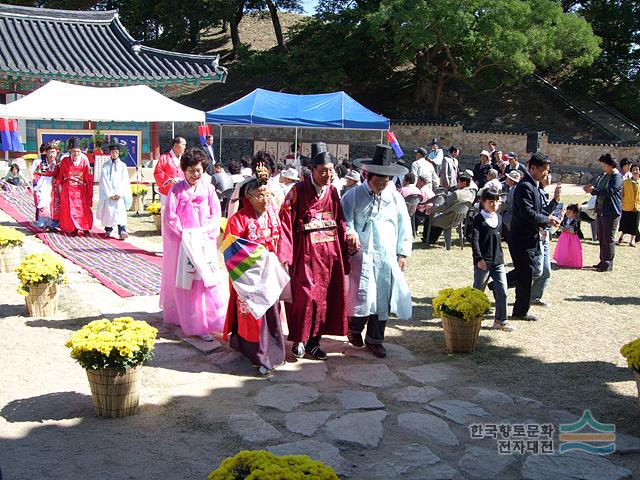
pixel 192 293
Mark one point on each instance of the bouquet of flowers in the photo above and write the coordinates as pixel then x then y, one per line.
pixel 10 237
pixel 153 208
pixel 119 344
pixel 263 465
pixel 631 351
pixel 138 190
pixel 467 303
pixel 39 268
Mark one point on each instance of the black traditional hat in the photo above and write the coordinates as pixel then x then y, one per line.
pixel 114 146
pixel 73 142
pixel 422 151
pixel 381 163
pixel 320 155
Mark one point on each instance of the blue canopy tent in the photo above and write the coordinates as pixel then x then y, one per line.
pixel 274 109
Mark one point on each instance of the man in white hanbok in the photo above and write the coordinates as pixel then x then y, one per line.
pixel 379 236
pixel 114 194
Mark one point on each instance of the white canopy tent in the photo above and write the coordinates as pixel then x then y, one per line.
pixel 65 101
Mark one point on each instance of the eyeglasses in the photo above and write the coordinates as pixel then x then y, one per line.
pixel 262 197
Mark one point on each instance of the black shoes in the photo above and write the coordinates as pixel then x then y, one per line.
pixel 317 353
pixel 355 339
pixel 377 349
pixel 526 318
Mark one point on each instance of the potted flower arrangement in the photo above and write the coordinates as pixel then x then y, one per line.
pixel 461 311
pixel 39 275
pixel 11 241
pixel 631 351
pixel 112 353
pixel 154 210
pixel 261 464
pixel 138 191
pixel 29 158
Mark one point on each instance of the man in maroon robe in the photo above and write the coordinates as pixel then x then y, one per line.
pixel 76 196
pixel 313 244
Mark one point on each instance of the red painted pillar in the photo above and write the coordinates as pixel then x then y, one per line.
pixel 154 141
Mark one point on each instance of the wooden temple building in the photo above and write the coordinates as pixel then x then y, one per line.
pixel 90 48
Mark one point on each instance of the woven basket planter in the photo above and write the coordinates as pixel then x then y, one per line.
pixel 9 258
pixel 42 300
pixel 136 203
pixel 115 393
pixel 460 335
pixel 636 375
pixel 157 219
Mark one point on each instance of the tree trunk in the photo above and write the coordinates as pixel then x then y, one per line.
pixel 437 100
pixel 422 84
pixel 277 28
pixel 235 29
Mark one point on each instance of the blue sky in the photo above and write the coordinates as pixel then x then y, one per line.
pixel 309 6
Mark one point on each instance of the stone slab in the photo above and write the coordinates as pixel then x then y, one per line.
pixel 360 429
pixel 394 352
pixel 626 444
pixel 458 411
pixel 354 399
pixel 416 394
pixel 307 423
pixel 320 451
pixel 491 397
pixel 204 347
pixel 286 396
pixel 428 427
pixel 485 463
pixel 252 428
pixel 302 371
pixel 368 375
pixel 411 462
pixel 527 402
pixel 572 467
pixel 430 373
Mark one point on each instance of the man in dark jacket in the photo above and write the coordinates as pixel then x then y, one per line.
pixel 524 238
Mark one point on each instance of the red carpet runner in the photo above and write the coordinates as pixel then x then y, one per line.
pixel 124 268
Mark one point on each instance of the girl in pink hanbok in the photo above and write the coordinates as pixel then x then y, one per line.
pixel 568 252
pixel 192 294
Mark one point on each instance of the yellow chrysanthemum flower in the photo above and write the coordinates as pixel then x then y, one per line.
pixel 121 343
pixel 467 303
pixel 631 351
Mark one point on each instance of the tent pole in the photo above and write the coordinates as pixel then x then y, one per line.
pixel 295 148
pixel 381 136
pixel 173 130
pixel 220 159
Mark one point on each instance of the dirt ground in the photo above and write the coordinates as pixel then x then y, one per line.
pixel 569 360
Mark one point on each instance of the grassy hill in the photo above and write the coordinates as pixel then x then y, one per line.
pixel 522 107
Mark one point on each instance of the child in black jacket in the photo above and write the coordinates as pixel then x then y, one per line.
pixel 488 260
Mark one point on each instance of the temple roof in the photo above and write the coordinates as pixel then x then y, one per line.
pixel 91 48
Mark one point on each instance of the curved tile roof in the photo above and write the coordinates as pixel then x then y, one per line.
pixel 37 45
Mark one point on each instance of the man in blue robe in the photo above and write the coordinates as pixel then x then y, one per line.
pixel 379 236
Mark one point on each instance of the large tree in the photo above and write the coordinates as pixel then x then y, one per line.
pixel 615 75
pixel 459 39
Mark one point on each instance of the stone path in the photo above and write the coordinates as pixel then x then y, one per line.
pixel 399 418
